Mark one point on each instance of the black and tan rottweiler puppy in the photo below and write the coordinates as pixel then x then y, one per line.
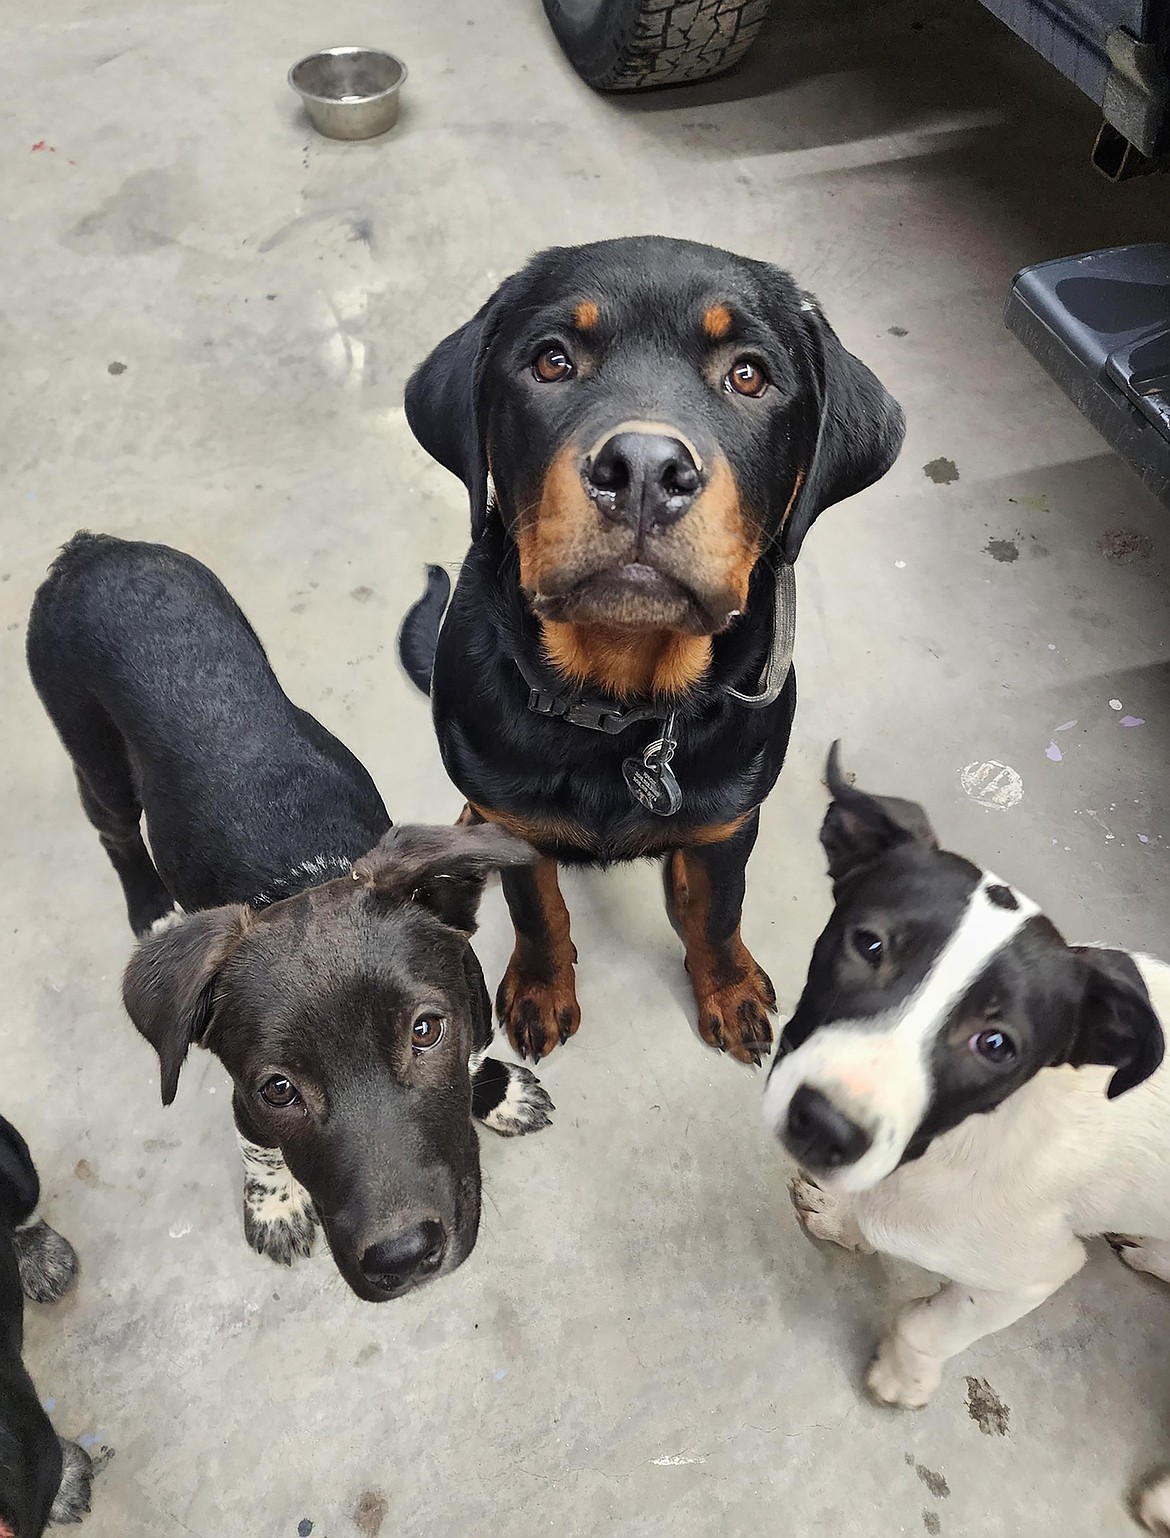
pixel 647 429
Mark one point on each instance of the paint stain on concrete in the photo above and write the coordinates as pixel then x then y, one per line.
pixel 935 1483
pixel 1053 752
pixel 1002 550
pixel 898 331
pixel 986 1408
pixel 992 784
pixel 941 471
pixel 104 1456
pixel 370 1513
pixel 362 594
pixel 84 1172
pixel 1123 546
pixel 931 1523
pixel 115 367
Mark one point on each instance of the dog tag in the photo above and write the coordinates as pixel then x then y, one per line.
pixel 650 779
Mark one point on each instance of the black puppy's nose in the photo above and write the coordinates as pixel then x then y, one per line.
pixel 644 480
pixel 414 1253
pixel 820 1136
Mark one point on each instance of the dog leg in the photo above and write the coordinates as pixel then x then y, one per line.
pixel 279 1218
pixel 47 1262
pixel 909 1364
pixel 1149 1255
pixel 827 1215
pixel 72 1499
pixel 704 893
pixel 508 1098
pixel 1154 1507
pixel 537 999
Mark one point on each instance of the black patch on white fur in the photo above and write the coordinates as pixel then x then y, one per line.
pixel 1002 897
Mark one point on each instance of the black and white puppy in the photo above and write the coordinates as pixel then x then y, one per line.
pixel 321 954
pixel 966 1091
pixel 43 1478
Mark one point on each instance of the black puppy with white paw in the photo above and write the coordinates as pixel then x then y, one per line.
pixel 43 1478
pixel 320 953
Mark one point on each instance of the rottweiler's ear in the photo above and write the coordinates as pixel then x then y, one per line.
pixel 1117 1025
pixel 859 827
pixel 857 436
pixel 444 869
pixel 443 408
pixel 169 984
pixel 20 1190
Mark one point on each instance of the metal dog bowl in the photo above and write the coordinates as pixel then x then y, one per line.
pixel 349 93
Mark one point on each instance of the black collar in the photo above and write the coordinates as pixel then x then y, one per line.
pixel 598 714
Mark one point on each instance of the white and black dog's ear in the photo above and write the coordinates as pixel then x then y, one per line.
pixel 858 432
pixel 169 984
pixel 442 868
pixel 859 828
pixel 1116 1025
pixel 443 407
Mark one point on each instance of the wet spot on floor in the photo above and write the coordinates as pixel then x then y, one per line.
pixel 992 784
pixel 1002 549
pixel 115 367
pixel 941 471
pixel 931 1523
pixel 898 331
pixel 362 594
pixel 1123 546
pixel 935 1483
pixel 986 1408
pixel 304 1528
pixel 370 1513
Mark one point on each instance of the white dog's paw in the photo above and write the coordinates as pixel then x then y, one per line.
pixel 1148 1255
pixel 509 1098
pixel 823 1215
pixel 280 1220
pixel 72 1499
pixel 1154 1507
pixel 901 1377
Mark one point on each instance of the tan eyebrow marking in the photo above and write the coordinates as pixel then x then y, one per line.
pixel 586 315
pixel 716 321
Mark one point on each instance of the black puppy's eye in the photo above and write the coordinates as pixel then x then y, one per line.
pixel 552 365
pixel 746 378
pixel 427 1032
pixel 868 946
pixel 280 1092
pixel 993 1046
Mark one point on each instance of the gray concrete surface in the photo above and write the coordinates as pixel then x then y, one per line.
pixel 206 317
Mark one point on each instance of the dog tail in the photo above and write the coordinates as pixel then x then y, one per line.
pixel 418 639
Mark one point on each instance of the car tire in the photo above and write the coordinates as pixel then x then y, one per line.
pixel 639 45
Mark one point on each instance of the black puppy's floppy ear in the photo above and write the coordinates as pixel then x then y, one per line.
pixel 443 406
pixel 858 434
pixel 169 984
pixel 444 869
pixel 859 827
pixel 1117 1025
pixel 20 1189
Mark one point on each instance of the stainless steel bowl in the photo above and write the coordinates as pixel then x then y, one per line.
pixel 349 93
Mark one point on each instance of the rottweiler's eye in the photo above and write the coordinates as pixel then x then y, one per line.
pixel 280 1092
pixel 552 365
pixel 868 946
pixel 746 378
pixel 993 1046
pixel 427 1032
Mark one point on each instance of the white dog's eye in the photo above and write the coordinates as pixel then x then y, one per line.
pixel 993 1046
pixel 868 946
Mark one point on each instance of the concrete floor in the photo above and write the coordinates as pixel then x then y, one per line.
pixel 207 315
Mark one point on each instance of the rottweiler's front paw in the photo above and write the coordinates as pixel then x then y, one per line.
pixel 733 1013
pixel 538 1013
pixel 280 1220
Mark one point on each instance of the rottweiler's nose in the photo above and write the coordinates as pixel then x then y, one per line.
pixel 818 1135
pixel 644 480
pixel 409 1256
